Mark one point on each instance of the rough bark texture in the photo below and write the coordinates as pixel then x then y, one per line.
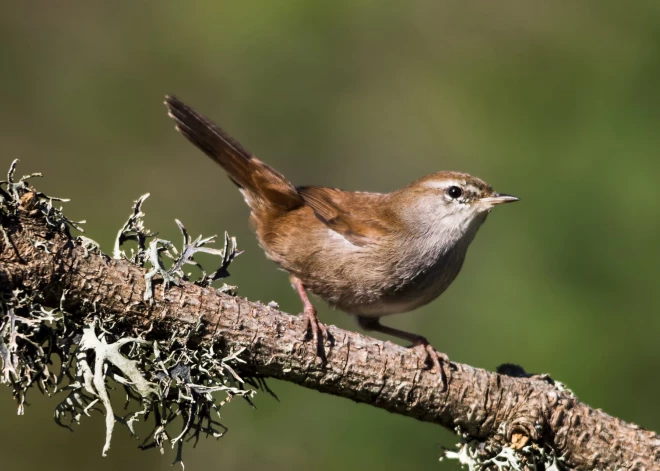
pixel 485 405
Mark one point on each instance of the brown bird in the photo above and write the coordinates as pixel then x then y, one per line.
pixel 367 254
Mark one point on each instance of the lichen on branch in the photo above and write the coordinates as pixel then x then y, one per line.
pixel 168 381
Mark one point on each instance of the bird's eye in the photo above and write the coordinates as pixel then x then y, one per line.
pixel 454 192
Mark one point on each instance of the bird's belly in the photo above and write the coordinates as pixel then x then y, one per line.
pixel 406 295
pixel 390 291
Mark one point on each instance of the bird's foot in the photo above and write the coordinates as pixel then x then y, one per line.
pixel 318 330
pixel 436 359
pixel 312 324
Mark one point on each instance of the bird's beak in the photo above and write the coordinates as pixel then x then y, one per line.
pixel 497 198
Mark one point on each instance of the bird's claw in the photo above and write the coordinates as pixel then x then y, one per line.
pixel 436 358
pixel 318 330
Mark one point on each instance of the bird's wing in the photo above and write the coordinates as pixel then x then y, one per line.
pixel 356 216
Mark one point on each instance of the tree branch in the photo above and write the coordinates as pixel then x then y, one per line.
pixel 511 409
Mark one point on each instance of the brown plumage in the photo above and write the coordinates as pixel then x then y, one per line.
pixel 368 254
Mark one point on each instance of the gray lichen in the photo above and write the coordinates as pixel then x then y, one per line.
pixel 134 230
pixel 167 382
pixel 474 455
pixel 15 194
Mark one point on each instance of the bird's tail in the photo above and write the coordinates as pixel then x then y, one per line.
pixel 262 186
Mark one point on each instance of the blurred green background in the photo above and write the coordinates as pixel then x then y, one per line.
pixel 555 102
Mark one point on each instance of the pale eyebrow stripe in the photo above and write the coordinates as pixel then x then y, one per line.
pixel 443 184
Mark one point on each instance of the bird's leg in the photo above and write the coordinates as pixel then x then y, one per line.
pixel 312 323
pixel 419 342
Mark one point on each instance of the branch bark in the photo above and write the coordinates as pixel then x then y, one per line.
pixel 487 406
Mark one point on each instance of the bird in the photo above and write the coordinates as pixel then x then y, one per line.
pixel 367 254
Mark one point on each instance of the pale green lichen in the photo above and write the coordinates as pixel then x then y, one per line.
pixel 135 230
pixel 174 274
pixel 14 194
pixel 165 380
pixel 474 455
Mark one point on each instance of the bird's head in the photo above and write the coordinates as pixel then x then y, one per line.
pixel 448 205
